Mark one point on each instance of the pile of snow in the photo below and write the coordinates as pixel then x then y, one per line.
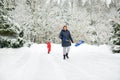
pixel 86 62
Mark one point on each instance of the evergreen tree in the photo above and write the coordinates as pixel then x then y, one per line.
pixel 10 33
pixel 116 37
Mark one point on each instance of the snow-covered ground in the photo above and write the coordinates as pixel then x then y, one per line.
pixel 86 62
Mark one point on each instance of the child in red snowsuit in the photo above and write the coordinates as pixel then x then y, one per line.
pixel 49 46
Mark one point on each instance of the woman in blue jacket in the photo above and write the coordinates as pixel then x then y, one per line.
pixel 66 38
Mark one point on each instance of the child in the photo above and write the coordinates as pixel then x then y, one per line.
pixel 48 46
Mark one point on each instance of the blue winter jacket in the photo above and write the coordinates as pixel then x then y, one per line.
pixel 66 38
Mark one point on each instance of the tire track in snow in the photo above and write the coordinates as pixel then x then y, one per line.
pixel 81 71
pixel 73 72
pixel 57 68
pixel 101 66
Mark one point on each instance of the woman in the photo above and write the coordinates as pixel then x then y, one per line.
pixel 66 38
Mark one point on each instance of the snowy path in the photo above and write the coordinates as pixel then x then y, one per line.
pixel 86 63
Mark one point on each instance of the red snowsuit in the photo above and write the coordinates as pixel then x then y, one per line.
pixel 49 47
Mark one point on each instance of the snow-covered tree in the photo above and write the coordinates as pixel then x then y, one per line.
pixel 10 33
pixel 116 36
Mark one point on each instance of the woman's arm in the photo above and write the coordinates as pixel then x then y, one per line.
pixel 60 35
pixel 70 37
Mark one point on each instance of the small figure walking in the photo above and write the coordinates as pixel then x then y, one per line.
pixel 66 38
pixel 49 46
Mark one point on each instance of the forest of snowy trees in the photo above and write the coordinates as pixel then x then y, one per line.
pixel 41 20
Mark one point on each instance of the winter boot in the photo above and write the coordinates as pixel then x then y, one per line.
pixel 67 55
pixel 64 57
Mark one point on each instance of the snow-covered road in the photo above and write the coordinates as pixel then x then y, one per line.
pixel 86 63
